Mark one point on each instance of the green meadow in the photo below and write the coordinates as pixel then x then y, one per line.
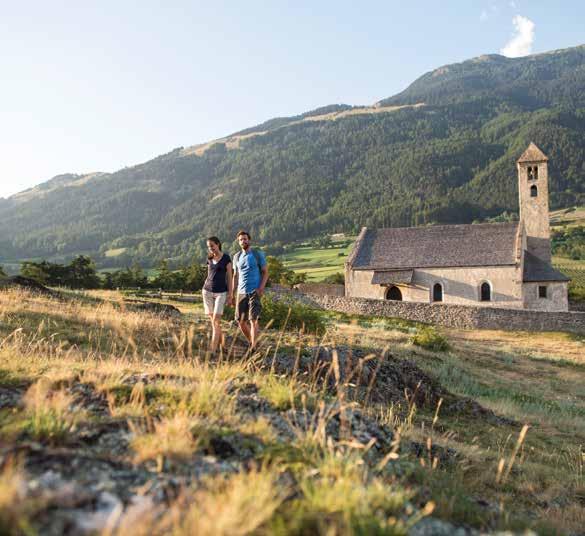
pixel 317 263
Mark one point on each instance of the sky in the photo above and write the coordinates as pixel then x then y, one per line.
pixel 100 85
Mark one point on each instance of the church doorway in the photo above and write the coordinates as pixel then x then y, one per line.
pixel 393 293
pixel 437 292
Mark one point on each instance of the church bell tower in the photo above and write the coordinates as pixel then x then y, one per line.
pixel 533 193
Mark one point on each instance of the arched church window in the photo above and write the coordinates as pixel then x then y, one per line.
pixel 534 191
pixel 393 293
pixel 485 292
pixel 437 292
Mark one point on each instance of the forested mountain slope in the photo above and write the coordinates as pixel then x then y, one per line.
pixel 443 150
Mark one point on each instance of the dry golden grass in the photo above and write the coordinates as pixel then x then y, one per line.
pixel 13 508
pixel 236 506
pixel 51 415
pixel 157 374
pixel 170 437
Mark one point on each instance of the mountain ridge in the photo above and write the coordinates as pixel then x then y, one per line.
pixel 445 154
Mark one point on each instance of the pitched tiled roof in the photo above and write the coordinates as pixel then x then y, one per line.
pixel 536 269
pixel 485 244
pixel 533 154
pixel 387 277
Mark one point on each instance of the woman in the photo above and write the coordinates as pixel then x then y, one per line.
pixel 218 288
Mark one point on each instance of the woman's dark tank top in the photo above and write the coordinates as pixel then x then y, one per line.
pixel 217 275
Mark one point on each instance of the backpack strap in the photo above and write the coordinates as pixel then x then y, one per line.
pixel 256 255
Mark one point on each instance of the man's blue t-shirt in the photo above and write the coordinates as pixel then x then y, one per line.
pixel 248 270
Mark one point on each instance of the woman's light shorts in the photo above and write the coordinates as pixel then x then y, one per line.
pixel 214 302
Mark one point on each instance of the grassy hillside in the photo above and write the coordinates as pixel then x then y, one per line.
pixel 115 420
pixel 443 151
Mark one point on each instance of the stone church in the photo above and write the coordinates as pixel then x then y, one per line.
pixel 489 264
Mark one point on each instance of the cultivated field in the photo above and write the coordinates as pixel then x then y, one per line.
pixel 317 263
pixel 116 420
pixel 568 216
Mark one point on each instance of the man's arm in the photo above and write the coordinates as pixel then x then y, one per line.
pixel 264 272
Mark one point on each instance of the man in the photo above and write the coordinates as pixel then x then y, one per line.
pixel 250 276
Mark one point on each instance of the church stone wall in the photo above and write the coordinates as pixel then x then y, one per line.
pixel 556 296
pixel 358 283
pixel 453 316
pixel 460 285
pixel 321 288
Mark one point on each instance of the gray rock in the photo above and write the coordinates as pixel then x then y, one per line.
pixel 435 527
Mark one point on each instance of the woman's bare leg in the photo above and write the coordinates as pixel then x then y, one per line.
pixel 216 334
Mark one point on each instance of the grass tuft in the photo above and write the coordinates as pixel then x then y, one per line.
pixel 241 504
pixel 170 438
pixel 50 415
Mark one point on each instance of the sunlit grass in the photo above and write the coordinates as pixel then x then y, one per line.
pixel 50 415
pixel 171 437
pixel 156 379
pixel 15 508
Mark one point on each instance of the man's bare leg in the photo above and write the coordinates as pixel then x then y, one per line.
pixel 245 329
pixel 254 332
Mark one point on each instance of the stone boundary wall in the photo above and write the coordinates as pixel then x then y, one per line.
pixel 448 315
pixel 576 306
pixel 321 289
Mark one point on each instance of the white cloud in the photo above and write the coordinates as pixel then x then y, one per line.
pixel 484 15
pixel 522 39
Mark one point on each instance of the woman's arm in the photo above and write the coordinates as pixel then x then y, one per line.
pixel 230 282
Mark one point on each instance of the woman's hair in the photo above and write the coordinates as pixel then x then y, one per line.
pixel 215 240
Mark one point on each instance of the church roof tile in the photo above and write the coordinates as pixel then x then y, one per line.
pixel 486 244
pixel 536 270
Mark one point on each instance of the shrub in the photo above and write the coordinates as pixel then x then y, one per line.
pixel 300 316
pixel 336 279
pixel 576 292
pixel 429 338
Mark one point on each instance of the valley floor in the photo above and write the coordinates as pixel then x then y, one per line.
pixel 117 420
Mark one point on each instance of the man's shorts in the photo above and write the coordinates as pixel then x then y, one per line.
pixel 214 302
pixel 248 306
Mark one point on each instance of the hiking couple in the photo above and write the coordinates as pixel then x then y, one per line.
pixel 248 274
